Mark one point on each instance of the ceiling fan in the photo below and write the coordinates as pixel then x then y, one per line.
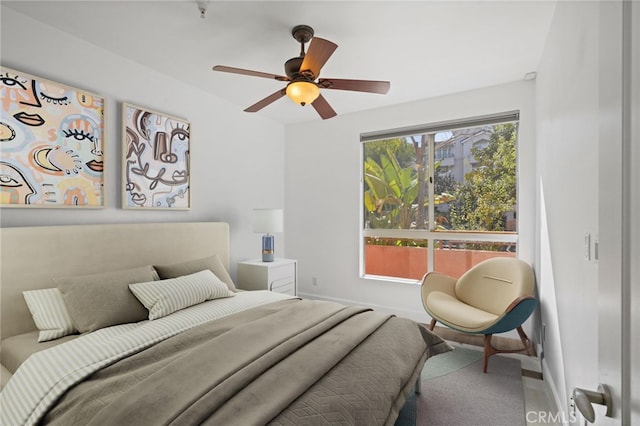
pixel 302 73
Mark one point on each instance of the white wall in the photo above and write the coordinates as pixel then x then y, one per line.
pixel 567 153
pixel 236 162
pixel 322 192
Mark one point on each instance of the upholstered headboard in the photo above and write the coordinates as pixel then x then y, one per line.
pixel 31 256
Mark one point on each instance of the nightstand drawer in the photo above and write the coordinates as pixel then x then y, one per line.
pixel 279 272
pixel 278 276
pixel 284 285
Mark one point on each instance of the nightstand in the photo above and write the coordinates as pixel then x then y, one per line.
pixel 279 276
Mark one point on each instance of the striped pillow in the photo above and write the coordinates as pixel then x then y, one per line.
pixel 166 296
pixel 49 313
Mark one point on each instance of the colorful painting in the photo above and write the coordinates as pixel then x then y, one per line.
pixel 156 160
pixel 51 143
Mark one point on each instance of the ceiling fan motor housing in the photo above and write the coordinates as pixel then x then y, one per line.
pixel 292 67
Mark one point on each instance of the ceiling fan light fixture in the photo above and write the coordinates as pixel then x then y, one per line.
pixel 303 92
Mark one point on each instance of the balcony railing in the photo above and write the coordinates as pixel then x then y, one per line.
pixel 452 258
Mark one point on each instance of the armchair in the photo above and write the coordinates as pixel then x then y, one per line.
pixel 494 296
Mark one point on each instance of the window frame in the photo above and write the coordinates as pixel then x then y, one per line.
pixel 432 235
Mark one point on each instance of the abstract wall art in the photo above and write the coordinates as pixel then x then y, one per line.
pixel 156 150
pixel 51 143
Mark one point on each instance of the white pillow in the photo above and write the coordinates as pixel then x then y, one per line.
pixel 49 313
pixel 166 296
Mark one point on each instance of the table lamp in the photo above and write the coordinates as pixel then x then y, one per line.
pixel 267 221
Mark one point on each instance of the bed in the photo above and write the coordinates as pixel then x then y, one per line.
pixel 148 328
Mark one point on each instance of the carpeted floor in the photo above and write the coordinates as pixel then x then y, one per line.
pixel 455 392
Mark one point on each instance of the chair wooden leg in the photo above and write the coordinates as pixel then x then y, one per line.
pixel 489 349
pixel 528 344
pixel 432 325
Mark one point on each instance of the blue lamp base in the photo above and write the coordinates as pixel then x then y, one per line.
pixel 268 248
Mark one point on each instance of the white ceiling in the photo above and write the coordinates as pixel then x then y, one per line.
pixel 424 48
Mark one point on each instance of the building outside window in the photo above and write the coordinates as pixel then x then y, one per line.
pixel 439 197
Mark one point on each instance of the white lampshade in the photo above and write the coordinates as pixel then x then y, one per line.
pixel 267 220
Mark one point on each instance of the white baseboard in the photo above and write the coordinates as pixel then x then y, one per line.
pixel 555 403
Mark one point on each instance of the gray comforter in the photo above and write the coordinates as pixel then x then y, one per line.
pixel 291 362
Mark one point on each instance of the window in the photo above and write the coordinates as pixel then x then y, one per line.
pixel 439 197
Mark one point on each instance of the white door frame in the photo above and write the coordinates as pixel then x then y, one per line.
pixel 615 209
pixel 633 13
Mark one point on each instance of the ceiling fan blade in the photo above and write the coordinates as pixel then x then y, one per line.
pixel 371 86
pixel 266 101
pixel 319 52
pixel 233 70
pixel 323 108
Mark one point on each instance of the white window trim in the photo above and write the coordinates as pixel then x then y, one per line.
pixel 426 234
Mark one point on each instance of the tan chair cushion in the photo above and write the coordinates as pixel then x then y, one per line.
pixel 494 284
pixel 453 312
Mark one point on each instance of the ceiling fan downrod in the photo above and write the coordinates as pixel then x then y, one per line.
pixel 302 33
